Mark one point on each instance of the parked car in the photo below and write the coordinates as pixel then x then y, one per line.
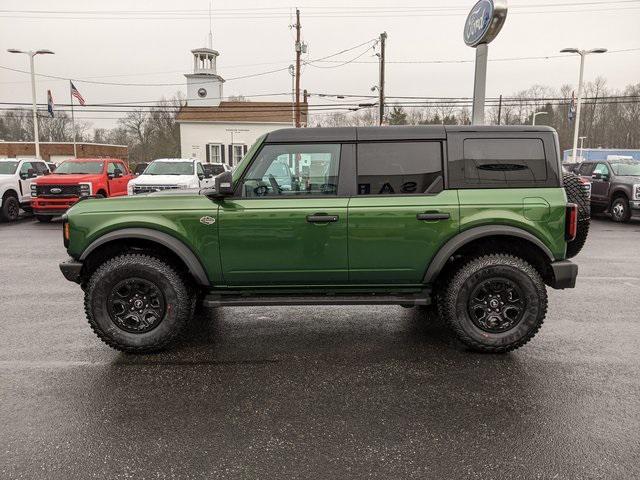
pixel 615 187
pixel 213 169
pixel 16 177
pixel 170 174
pixel 75 179
pixel 472 219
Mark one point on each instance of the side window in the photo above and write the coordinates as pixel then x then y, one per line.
pixel 26 166
pixel 111 168
pixel 41 168
pixel 399 168
pixel 293 170
pixel 507 162
pixel 602 169
pixel 199 169
pixel 585 168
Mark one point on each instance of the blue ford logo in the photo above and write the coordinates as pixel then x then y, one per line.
pixel 478 22
pixel 56 190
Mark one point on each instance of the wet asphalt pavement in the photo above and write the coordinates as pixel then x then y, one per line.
pixel 319 392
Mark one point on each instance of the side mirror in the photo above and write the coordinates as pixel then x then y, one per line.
pixel 224 184
pixel 117 173
pixel 201 176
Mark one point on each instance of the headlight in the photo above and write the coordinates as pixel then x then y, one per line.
pixel 636 191
pixel 34 190
pixel 85 189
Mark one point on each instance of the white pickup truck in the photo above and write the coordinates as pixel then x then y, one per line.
pixel 16 175
pixel 170 174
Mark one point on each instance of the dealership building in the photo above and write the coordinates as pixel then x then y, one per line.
pixel 57 152
pixel 602 154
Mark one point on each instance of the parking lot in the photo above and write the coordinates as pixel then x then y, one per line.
pixel 319 392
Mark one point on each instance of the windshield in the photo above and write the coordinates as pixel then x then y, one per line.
pixel 169 168
pixel 630 168
pixel 80 167
pixel 8 168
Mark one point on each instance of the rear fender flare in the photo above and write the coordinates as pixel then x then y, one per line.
pixel 172 243
pixel 455 243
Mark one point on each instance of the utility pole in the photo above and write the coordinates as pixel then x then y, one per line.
pixel 383 38
pixel 298 55
pixel 499 109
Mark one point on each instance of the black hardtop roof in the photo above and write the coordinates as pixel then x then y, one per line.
pixel 396 132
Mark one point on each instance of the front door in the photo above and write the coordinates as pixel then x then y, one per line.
pixel 401 215
pixel 118 179
pixel 600 186
pixel 286 224
pixel 27 175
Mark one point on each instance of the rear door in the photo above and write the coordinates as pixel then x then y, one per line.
pixel 287 224
pixel 401 214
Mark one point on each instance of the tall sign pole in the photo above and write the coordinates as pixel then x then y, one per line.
pixel 483 24
pixel 383 41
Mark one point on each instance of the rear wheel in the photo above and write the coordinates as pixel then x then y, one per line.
pixel 137 303
pixel 495 303
pixel 576 193
pixel 10 208
pixel 620 211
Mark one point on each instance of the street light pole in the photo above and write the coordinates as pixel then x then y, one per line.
pixel 583 54
pixel 536 114
pixel 34 108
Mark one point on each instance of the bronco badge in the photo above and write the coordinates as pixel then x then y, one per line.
pixel 206 220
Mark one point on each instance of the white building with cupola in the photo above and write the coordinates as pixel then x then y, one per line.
pixel 216 130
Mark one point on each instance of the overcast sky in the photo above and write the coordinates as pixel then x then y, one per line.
pixel 130 47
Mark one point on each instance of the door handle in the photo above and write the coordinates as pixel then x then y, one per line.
pixel 322 218
pixel 433 216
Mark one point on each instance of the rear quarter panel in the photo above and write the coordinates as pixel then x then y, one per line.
pixel 539 211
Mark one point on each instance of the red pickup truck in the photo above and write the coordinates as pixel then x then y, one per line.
pixel 82 177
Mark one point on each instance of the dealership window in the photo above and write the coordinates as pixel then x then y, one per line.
pixel 506 161
pixel 314 171
pixel 215 153
pixel 405 168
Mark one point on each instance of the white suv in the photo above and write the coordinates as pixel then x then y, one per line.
pixel 170 174
pixel 16 175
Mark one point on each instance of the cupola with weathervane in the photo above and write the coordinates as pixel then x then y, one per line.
pixel 204 85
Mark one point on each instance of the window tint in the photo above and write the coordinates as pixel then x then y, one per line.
pixel 585 168
pixel 399 168
pixel 504 161
pixel 289 170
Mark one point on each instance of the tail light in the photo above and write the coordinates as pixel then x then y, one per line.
pixel 571 222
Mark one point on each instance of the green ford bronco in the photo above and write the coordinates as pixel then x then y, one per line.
pixel 472 221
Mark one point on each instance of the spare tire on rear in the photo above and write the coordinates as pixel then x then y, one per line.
pixel 577 192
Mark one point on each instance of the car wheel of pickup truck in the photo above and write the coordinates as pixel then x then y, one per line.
pixel 495 303
pixel 577 194
pixel 137 303
pixel 10 208
pixel 620 211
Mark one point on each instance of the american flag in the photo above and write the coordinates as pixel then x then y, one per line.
pixel 76 93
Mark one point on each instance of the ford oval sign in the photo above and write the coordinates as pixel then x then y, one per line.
pixel 484 21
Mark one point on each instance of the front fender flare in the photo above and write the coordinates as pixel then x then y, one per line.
pixel 449 248
pixel 172 243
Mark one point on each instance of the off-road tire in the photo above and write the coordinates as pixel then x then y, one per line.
pixel 178 298
pixel 454 302
pixel 577 194
pixel 10 210
pixel 622 203
pixel 44 218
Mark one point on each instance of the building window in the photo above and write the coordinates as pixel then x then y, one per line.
pixel 214 153
pixel 238 152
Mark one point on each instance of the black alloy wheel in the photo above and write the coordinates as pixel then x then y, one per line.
pixel 496 305
pixel 136 305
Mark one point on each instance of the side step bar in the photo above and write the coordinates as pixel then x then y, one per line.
pixel 226 300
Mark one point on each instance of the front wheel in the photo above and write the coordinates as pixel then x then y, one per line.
pixel 10 209
pixel 137 303
pixel 495 303
pixel 620 211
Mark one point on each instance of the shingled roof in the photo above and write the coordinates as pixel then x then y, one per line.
pixel 260 112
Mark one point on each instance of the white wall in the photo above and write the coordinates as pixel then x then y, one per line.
pixel 195 136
